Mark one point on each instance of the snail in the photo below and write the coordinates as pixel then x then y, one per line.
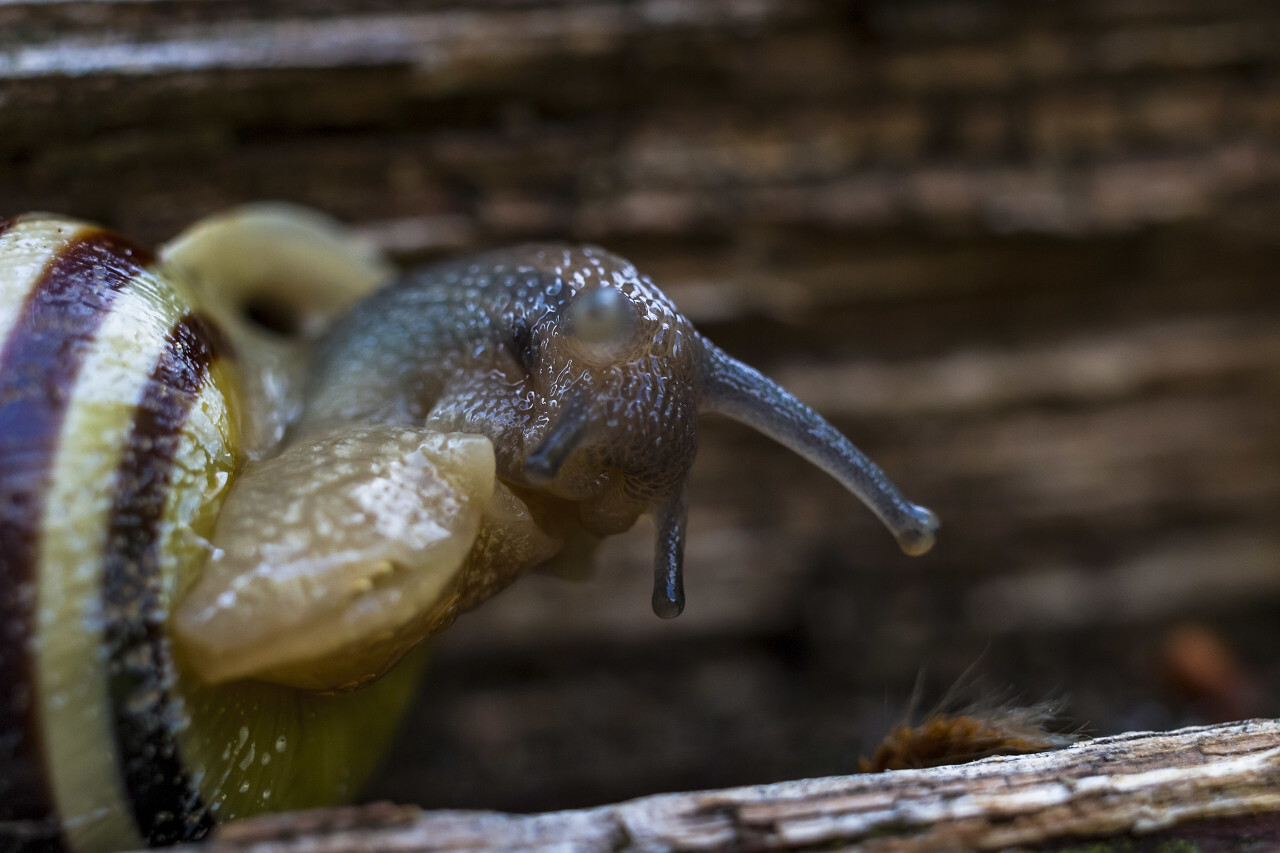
pixel 221 546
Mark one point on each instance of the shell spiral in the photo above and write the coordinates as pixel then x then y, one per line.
pixel 119 435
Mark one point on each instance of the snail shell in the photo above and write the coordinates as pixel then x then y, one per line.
pixel 216 543
pixel 118 438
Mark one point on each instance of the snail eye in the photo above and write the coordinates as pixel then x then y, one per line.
pixel 603 318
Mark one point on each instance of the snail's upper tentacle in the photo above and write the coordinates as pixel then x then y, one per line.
pixel 743 393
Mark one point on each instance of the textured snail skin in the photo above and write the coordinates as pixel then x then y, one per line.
pixel 590 431
pixel 477 346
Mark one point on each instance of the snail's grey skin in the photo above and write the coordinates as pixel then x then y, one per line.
pixel 588 382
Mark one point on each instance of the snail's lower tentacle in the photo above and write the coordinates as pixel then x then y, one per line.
pixel 743 393
pixel 561 439
pixel 670 520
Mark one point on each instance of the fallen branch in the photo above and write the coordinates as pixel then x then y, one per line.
pixel 1210 786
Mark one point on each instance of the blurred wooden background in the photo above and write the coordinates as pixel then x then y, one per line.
pixel 1025 254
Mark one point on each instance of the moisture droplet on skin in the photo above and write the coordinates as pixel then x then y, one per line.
pixel 400 507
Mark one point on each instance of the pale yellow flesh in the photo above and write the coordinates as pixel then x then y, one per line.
pixel 252 747
pixel 297 259
pixel 328 553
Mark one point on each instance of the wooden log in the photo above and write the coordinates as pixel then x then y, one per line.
pixel 1212 788
pixel 1024 254
pixel 442 126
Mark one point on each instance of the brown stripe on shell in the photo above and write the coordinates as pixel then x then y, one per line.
pixel 167 806
pixel 39 363
pixel 218 342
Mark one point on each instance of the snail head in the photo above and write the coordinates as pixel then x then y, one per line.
pixel 617 378
pixel 613 370
pixel 588 382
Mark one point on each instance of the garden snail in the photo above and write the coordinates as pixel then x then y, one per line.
pixel 215 544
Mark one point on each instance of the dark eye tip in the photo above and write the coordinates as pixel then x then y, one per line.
pixel 918 532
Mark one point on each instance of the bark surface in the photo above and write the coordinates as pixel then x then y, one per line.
pixel 1023 254
pixel 1203 789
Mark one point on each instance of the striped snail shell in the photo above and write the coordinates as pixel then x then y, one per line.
pixel 119 434
pixel 217 543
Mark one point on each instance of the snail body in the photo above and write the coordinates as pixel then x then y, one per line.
pixel 216 544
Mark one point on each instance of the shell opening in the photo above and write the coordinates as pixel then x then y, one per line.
pixel 274 316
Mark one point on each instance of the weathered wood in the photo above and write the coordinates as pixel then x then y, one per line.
pixel 1024 254
pixel 439 126
pixel 1217 788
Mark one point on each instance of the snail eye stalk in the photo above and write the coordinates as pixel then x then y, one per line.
pixel 744 394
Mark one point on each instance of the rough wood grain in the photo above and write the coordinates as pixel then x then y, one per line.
pixel 443 125
pixel 1024 254
pixel 1215 787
